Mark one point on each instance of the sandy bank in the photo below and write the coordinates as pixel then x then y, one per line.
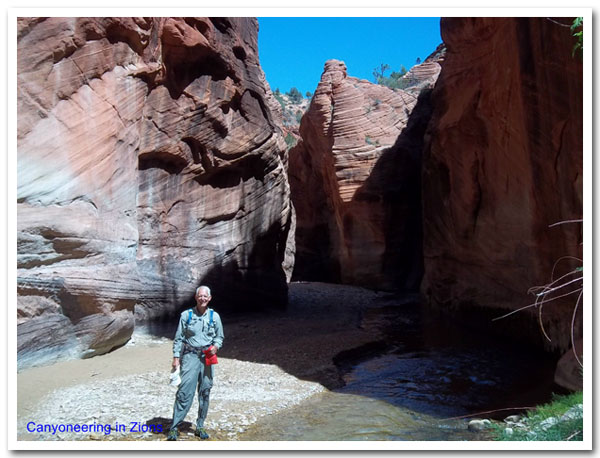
pixel 270 361
pixel 145 398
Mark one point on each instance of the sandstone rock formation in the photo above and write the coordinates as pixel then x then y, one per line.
pixel 150 159
pixel 503 163
pixel 355 180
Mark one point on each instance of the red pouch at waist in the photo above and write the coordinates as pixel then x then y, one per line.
pixel 210 359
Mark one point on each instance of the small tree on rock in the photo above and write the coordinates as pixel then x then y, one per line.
pixel 295 95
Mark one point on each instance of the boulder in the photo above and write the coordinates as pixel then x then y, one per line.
pixel 479 425
pixel 569 373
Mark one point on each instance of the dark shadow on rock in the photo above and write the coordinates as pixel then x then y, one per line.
pixel 258 285
pixel 387 204
pixel 394 186
pixel 261 287
pixel 313 261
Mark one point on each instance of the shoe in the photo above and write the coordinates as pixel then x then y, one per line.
pixel 173 433
pixel 201 433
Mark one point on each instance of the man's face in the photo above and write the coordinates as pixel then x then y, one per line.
pixel 202 297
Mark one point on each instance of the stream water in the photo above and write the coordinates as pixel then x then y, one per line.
pixel 419 373
pixel 411 384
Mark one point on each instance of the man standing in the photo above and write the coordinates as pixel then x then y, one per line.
pixel 200 330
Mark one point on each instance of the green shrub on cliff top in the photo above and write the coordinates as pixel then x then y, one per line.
pixel 396 80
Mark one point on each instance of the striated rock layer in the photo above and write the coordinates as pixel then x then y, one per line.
pixel 355 180
pixel 150 160
pixel 503 163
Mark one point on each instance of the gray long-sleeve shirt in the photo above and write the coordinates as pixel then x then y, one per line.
pixel 198 333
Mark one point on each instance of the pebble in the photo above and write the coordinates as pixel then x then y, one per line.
pixel 508 431
pixel 479 425
pixel 548 423
pixel 513 419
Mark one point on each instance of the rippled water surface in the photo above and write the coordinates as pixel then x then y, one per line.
pixel 340 416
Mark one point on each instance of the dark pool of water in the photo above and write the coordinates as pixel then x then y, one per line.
pixel 441 368
pixel 423 372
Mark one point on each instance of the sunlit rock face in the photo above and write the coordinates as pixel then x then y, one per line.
pixel 503 163
pixel 150 160
pixel 355 179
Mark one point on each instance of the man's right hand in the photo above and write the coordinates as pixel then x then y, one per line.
pixel 175 362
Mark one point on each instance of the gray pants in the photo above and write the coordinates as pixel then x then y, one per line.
pixel 194 373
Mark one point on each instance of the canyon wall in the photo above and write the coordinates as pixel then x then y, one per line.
pixel 355 179
pixel 150 160
pixel 502 164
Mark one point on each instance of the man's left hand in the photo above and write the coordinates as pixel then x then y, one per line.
pixel 213 350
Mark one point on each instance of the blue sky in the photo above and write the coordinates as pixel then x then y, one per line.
pixel 293 50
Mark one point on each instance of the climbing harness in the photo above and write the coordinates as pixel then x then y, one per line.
pixel 199 351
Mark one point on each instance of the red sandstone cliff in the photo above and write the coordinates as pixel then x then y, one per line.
pixel 150 159
pixel 504 161
pixel 355 180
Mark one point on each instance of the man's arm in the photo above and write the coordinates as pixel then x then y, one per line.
pixel 220 336
pixel 178 342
